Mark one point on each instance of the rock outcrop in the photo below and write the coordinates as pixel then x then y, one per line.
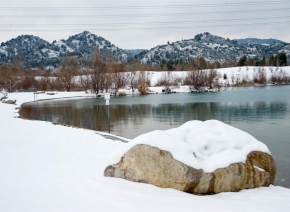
pixel 147 164
pixel 9 101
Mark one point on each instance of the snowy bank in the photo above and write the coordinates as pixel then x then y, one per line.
pixel 233 74
pixel 52 167
pixel 208 145
pixel 29 96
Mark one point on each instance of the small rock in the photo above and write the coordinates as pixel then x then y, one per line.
pixel 9 102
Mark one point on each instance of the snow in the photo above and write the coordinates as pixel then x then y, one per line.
pixel 260 169
pixel 4 50
pixel 51 53
pixel 244 72
pixel 76 43
pixel 208 145
pixel 62 43
pixel 247 73
pixel 46 167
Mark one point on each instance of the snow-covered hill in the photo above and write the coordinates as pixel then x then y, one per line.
pixel 133 52
pixel 258 41
pixel 22 45
pixel 212 48
pixel 36 52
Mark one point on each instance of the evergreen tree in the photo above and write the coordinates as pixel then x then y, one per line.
pixel 162 63
pixel 276 60
pixel 242 61
pixel 263 61
pixel 251 62
pixel 282 59
pixel 257 61
pixel 271 60
pixel 225 77
pixel 170 64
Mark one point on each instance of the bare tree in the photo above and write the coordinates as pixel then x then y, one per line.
pixel 260 76
pixel 10 77
pixel 198 63
pixel 196 79
pixel 84 82
pixel 233 78
pixel 120 78
pixel 280 77
pixel 97 69
pixel 67 70
pixel 143 82
pixel 108 80
pixel 167 80
pixel 133 75
pixel 133 80
pixel 16 64
pixel 211 75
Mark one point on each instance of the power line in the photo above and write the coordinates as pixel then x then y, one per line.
pixel 154 28
pixel 149 7
pixel 144 23
pixel 146 15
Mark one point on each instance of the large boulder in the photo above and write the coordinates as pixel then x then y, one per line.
pixel 225 159
pixel 151 165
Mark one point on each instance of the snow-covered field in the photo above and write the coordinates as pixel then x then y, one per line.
pixel 52 167
pixel 245 72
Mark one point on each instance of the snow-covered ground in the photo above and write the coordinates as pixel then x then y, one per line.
pixel 52 167
pixel 234 73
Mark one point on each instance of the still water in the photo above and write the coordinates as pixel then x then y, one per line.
pixel 264 112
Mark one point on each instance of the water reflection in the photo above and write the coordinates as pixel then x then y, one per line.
pixel 124 118
pixel 264 113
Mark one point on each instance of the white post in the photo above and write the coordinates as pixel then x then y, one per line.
pixel 107 98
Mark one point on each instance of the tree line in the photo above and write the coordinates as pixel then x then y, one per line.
pixel 99 73
pixel 102 73
pixel 277 60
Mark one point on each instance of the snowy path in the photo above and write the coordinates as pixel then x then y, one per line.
pixel 52 167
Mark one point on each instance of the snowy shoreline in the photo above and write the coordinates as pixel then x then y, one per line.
pixel 79 95
pixel 52 167
pixel 104 134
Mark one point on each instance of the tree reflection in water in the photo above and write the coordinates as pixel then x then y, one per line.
pixel 265 120
pixel 126 118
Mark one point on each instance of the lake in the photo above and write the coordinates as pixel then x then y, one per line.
pixel 262 111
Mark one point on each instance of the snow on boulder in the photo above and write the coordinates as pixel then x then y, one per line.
pixel 197 157
pixel 9 101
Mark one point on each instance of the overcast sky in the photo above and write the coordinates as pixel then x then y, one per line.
pixel 144 24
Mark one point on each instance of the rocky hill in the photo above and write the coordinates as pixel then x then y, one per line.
pixel 212 48
pixel 258 41
pixel 134 52
pixel 36 52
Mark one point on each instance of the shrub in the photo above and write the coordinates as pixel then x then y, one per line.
pixel 122 94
